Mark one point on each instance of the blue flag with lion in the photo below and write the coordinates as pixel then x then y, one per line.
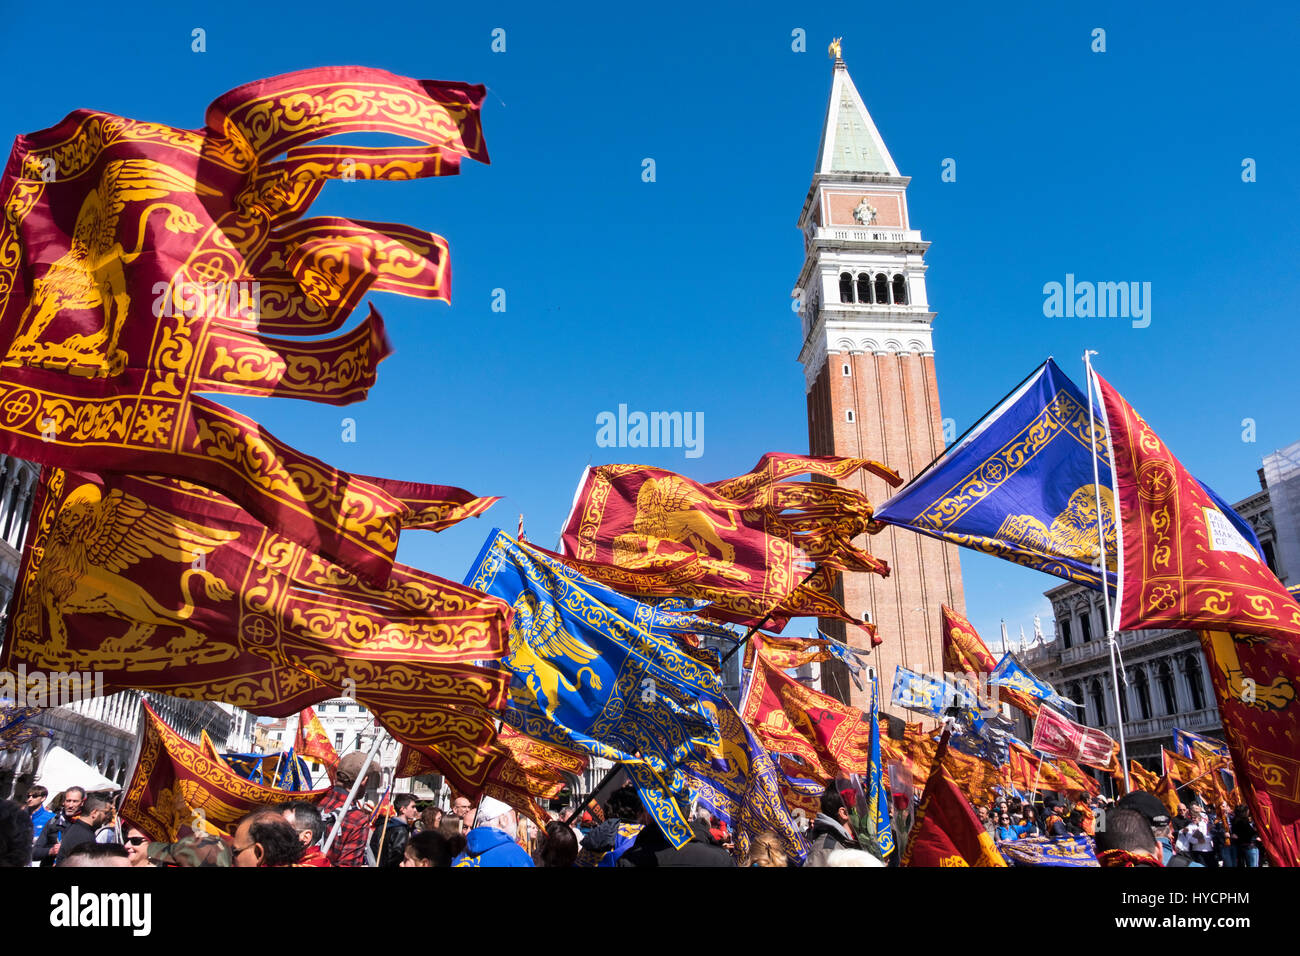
pixel 588 676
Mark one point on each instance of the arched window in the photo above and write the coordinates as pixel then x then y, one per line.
pixel 1165 677
pixel 1143 688
pixel 1192 671
pixel 846 287
pixel 1098 701
pixel 882 289
pixel 864 288
pixel 900 290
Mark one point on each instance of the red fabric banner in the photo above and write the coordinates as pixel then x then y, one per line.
pixel 743 543
pixel 140 264
pixel 1058 736
pixel 946 831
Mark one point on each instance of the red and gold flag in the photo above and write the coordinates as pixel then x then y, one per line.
pixel 1078 778
pixel 176 786
pixel 524 771
pixel 964 651
pixel 1057 736
pixel 140 264
pixel 946 831
pixel 742 543
pixel 313 743
pixel 788 653
pixel 167 586
pixel 1167 791
pixel 1030 772
pixel 788 717
pixel 1185 566
pixel 1142 778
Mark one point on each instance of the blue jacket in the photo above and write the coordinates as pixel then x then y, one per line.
pixel 488 846
pixel 39 819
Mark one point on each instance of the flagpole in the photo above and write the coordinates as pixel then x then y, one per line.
pixel 352 794
pixel 1105 582
pixel 766 617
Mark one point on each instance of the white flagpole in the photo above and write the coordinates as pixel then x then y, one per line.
pixel 1105 583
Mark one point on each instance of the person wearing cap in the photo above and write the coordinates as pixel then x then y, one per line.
pixel 1127 840
pixel 349 847
pixel 490 843
pixel 1157 816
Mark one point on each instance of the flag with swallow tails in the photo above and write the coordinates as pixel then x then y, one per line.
pixel 142 264
pixel 964 652
pixel 168 586
pixel 743 543
pixel 584 676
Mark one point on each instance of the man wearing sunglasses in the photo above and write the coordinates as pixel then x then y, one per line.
pixel 35 806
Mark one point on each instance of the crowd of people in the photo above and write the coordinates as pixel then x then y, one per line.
pixel 82 829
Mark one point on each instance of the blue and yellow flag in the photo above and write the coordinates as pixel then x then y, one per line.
pixel 1019 484
pixel 1188 744
pixel 1010 673
pixel 736 781
pixel 879 823
pixel 588 677
pixel 930 696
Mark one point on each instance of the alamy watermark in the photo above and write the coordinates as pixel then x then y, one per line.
pixel 235 299
pixel 1103 300
pixel 651 430
pixel 49 688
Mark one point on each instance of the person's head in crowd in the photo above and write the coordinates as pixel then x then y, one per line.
pixel 406 809
pixel 559 846
pixel 15 834
pixel 624 805
pixel 1151 809
pixel 265 838
pixel 1242 812
pixel 350 767
pixel 306 821
pixel 464 811
pixel 96 810
pixel 73 798
pixel 36 795
pixel 1127 831
pixel 766 850
pixel 451 826
pixel 431 819
pixel 427 848
pixel 1030 814
pixel 97 854
pixel 496 814
pixel 832 805
pixel 137 846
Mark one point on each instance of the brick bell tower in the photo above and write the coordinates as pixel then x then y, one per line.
pixel 868 359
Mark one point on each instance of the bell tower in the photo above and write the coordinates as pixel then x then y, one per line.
pixel 868 360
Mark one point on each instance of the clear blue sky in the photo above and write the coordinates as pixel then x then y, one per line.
pixel 674 295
